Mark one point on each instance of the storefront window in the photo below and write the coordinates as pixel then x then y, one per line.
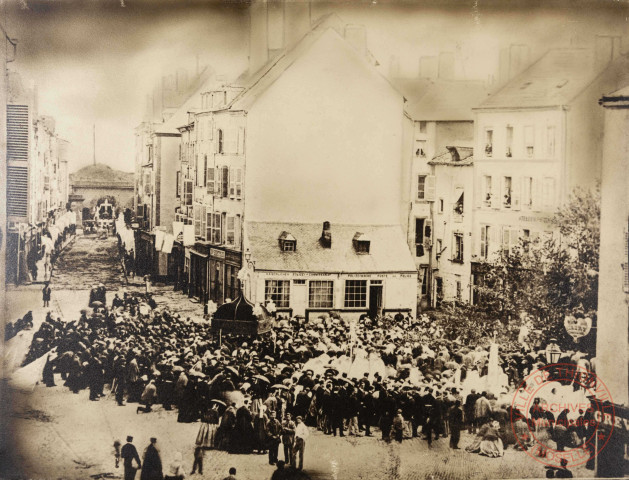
pixel 321 294
pixel 355 293
pixel 278 291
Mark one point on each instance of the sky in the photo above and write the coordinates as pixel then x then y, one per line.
pixel 94 61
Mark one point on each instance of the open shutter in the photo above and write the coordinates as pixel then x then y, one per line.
pixel 514 238
pixel 232 182
pixel 427 234
pixel 483 241
pixel 210 180
pixel 239 183
pixel 219 182
pixel 496 199
pixel 429 194
pixel 478 192
pixel 516 182
pixel 237 231
pixel 536 193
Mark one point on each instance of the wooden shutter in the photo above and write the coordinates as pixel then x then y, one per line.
pixel 514 237
pixel 496 199
pixel 232 182
pixel 239 183
pixel 483 241
pixel 429 188
pixel 210 180
pixel 515 192
pixel 478 192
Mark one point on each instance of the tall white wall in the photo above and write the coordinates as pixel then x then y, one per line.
pixel 324 142
pixel 613 315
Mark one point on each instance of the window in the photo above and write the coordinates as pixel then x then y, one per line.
pixel 299 281
pixel 178 185
pixel 231 281
pixel 459 203
pixel 550 141
pixel 321 294
pixel 548 192
pixel 439 247
pixel 457 248
pixel 421 149
pixel 485 232
pixel 187 192
pixel 458 290
pixel 423 278
pixel 441 205
pixel 426 188
pixel 487 192
pixel 506 192
pixel 489 142
pixel 419 237
pixel 422 127
pixel 355 293
pixel 529 140
pixel 238 183
pixel 201 171
pixel 288 245
pixel 230 233
pixel 278 291
pixel 510 239
pixel 421 187
pixel 213 228
pixel 509 142
pixel 219 141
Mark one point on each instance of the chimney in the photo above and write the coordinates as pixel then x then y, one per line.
pixel 326 236
pixel 428 67
pixel 446 66
pixel 607 48
pixel 297 20
pixel 513 60
pixel 258 35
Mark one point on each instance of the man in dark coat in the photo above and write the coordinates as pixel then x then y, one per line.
pixel 455 419
pixel 128 454
pixel 152 465
pixel 273 432
pixel 470 402
pixel 46 291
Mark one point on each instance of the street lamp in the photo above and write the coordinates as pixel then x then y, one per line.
pixel 250 263
pixel 553 352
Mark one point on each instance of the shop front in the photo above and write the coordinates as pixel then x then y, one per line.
pixel 214 273
pixel 144 253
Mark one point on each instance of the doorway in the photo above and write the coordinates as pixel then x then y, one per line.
pixel 375 300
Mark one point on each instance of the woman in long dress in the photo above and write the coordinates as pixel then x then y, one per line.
pixel 206 438
pixel 491 444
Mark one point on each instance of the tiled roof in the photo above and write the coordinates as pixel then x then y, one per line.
pixel 388 249
pixel 555 79
pixel 447 100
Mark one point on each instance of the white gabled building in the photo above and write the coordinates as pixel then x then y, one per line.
pixel 285 149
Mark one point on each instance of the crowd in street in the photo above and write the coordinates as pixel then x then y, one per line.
pixel 399 375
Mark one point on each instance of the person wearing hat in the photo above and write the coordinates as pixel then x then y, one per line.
pixel 46 291
pixel 455 421
pixel 152 465
pixel 398 426
pixel 301 435
pixel 273 432
pixel 128 453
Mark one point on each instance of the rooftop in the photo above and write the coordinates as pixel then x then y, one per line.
pixel 455 156
pixel 447 100
pixel 556 79
pixel 388 250
pixel 101 175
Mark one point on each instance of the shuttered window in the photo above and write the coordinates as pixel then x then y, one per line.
pixel 17 191
pixel 17 132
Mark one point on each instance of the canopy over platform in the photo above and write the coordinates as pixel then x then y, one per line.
pixel 241 317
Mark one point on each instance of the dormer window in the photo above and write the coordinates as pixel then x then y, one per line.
pixel 288 243
pixel 361 243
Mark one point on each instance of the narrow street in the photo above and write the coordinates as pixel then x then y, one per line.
pixel 75 436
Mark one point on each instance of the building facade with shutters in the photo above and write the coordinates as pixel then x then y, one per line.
pixel 272 156
pixel 443 134
pixel 536 139
pixel 35 197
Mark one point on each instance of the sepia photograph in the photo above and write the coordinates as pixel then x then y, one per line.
pixel 314 239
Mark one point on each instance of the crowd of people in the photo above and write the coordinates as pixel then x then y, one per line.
pixel 400 375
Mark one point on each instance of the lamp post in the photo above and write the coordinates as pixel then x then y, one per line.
pixel 245 273
pixel 553 352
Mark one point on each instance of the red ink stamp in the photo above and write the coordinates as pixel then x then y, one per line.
pixel 557 413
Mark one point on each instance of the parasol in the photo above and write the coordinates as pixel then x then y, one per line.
pixel 97 304
pixel 280 386
pixel 262 377
pixel 233 370
pixel 218 401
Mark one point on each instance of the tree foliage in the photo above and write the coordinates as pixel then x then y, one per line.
pixel 544 279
